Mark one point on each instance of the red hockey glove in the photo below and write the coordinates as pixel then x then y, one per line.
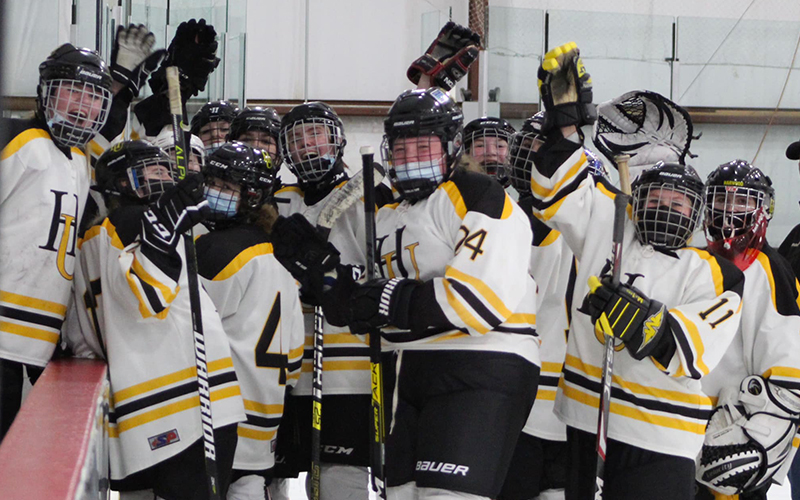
pixel 448 58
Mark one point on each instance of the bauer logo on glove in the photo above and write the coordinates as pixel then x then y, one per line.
pixel 639 322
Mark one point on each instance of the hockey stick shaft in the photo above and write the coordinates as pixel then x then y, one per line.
pixel 203 388
pixel 377 450
pixel 316 406
pixel 620 207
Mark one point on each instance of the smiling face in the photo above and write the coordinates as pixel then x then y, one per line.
pixel 80 103
pixel 424 150
pixel 489 149
pixel 674 200
pixel 214 133
pixel 309 140
pixel 260 139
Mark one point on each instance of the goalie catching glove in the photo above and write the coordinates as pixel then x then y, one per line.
pixel 639 322
pixel 175 212
pixel 566 89
pixel 748 437
pixel 448 58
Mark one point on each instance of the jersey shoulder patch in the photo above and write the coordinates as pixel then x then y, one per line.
pixel 478 193
pixel 782 279
pixel 217 250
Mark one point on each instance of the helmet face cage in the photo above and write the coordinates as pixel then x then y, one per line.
pixel 428 166
pixel 666 215
pixel 249 169
pixel 223 199
pixel 521 161
pixel 490 148
pixel 148 178
pixel 733 211
pixel 74 110
pixel 311 146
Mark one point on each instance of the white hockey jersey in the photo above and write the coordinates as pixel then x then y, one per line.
pixel 258 302
pixel 470 244
pixel 42 197
pixel 553 267
pixel 659 408
pixel 345 356
pixel 768 340
pixel 146 336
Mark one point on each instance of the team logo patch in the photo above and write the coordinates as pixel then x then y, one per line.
pixel 163 439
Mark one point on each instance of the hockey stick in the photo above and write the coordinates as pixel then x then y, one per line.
pixel 339 201
pixel 620 207
pixel 203 389
pixel 377 451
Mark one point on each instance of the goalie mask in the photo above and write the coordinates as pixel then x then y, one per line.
pixel 239 179
pixel 258 128
pixel 422 141
pixel 523 146
pixel 739 205
pixel 213 123
pixel 311 141
pixel 667 205
pixel 487 141
pixel 644 125
pixel 74 95
pixel 134 171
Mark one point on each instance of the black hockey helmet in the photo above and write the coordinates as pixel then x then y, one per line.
pixel 74 94
pixel 214 111
pixel 422 113
pixel 521 152
pixel 494 160
pixel 134 171
pixel 240 164
pixel 739 204
pixel 257 119
pixel 667 205
pixel 311 140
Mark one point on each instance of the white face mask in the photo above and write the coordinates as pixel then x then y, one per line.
pixel 419 170
pixel 224 204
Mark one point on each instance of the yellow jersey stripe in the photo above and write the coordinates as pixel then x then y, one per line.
pixel 243 258
pixel 482 288
pixel 455 196
pixel 550 211
pixel 169 379
pixel 521 319
pixel 244 432
pixel 597 372
pixel 546 395
pixel 262 408
pixel 142 273
pixel 22 139
pixel 336 365
pixel 697 342
pixel 551 367
pixel 450 336
pixel 296 353
pixel 544 192
pixel 33 303
pixel 462 311
pixel 632 412
pixel 508 207
pixel 764 260
pixel 551 237
pixel 782 371
pixel 336 338
pixel 29 332
pixel 716 272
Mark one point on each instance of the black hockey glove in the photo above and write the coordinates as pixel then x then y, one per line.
pixel 448 58
pixel 308 256
pixel 193 50
pixel 176 211
pixel 641 323
pixel 566 89
pixel 379 303
pixel 133 59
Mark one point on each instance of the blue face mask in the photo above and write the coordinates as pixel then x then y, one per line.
pixel 223 205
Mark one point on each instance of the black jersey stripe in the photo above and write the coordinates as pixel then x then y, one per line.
pixel 476 304
pixel 295 365
pixel 685 347
pixel 520 331
pixel 548 380
pixel 31 317
pixel 562 193
pixel 338 352
pixel 150 294
pixel 172 393
pixel 266 422
pixel 412 336
pixel 648 404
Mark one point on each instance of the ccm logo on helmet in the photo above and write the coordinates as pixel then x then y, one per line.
pixel 443 467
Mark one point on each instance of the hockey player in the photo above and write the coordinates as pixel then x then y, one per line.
pixel 748 442
pixel 132 308
pixel 258 128
pixel 258 302
pixel 212 123
pixel 681 305
pixel 44 183
pixel 312 144
pixel 486 140
pixel 457 304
